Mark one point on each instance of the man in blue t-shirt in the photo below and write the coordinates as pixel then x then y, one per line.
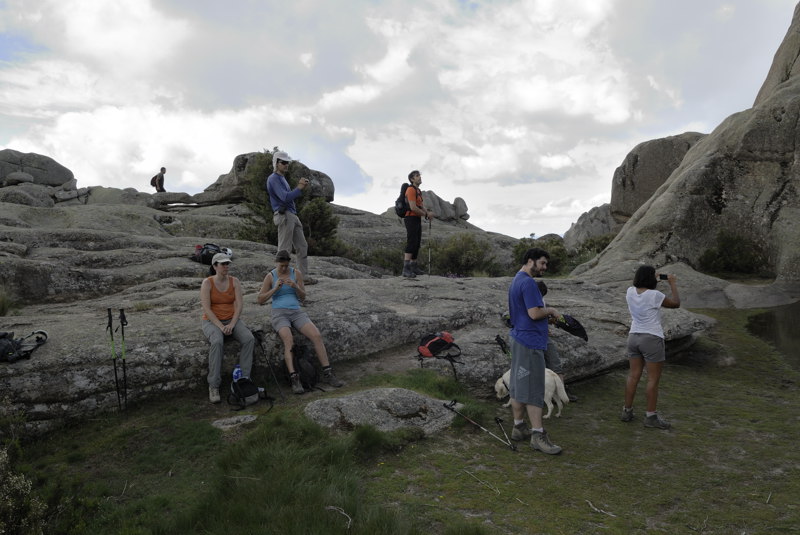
pixel 529 319
pixel 284 212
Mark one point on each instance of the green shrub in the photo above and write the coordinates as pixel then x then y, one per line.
pixel 463 255
pixel 552 243
pixel 20 512
pixel 734 254
pixel 6 302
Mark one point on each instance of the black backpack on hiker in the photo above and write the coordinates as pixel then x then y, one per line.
pixel 401 204
pixel 309 376
pixel 12 350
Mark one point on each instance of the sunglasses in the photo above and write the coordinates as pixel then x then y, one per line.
pixel 281 162
pixel 222 264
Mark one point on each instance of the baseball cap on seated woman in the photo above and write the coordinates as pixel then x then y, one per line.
pixel 280 155
pixel 221 258
pixel 283 256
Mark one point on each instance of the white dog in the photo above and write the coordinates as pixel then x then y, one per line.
pixel 553 391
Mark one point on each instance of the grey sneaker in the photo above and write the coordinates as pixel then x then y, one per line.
pixel 330 378
pixel 521 432
pixel 213 394
pixel 627 414
pixel 656 422
pixel 407 271
pixel 297 388
pixel 540 441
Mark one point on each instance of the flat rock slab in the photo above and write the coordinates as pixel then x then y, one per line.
pixel 386 409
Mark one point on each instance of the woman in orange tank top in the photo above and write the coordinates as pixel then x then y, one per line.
pixel 221 299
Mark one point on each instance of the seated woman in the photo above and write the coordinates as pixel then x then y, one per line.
pixel 284 285
pixel 221 298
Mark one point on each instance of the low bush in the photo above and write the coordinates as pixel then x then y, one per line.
pixel 735 254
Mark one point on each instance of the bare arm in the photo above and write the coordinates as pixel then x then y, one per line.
pixel 266 291
pixel 539 313
pixel 674 301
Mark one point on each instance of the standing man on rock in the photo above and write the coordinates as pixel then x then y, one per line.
pixel 159 181
pixel 284 212
pixel 529 335
pixel 413 222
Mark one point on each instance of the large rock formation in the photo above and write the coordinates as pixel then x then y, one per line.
pixel 743 178
pixel 596 222
pixel 644 170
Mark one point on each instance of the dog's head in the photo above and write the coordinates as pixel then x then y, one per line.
pixel 500 388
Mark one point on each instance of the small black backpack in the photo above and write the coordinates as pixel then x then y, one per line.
pixel 12 350
pixel 205 253
pixel 244 392
pixel 401 204
pixel 309 376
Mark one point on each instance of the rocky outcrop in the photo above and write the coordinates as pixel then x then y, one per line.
pixel 596 222
pixel 444 210
pixel 229 188
pixel 744 179
pixel 17 167
pixel 644 170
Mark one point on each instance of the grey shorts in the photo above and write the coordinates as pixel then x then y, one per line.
pixel 289 317
pixel 527 374
pixel 647 346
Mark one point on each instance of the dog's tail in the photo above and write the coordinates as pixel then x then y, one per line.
pixel 560 390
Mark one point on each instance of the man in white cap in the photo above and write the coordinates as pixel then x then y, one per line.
pixel 281 198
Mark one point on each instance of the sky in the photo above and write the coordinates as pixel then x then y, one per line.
pixel 522 108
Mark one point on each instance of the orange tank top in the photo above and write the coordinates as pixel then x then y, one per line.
pixel 222 302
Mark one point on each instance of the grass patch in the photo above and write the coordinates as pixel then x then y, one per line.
pixel 729 465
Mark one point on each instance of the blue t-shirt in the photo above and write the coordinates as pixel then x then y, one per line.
pixel 523 295
pixel 280 194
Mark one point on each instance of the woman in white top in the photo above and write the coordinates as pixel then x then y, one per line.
pixel 646 340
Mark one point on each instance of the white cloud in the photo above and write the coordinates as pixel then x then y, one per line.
pixel 522 108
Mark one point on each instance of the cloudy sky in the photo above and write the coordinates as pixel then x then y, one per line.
pixel 523 108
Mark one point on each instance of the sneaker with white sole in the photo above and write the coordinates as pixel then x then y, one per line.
pixel 521 432
pixel 540 441
pixel 656 422
pixel 213 394
pixel 297 388
pixel 627 415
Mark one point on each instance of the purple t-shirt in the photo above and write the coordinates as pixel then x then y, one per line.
pixel 522 295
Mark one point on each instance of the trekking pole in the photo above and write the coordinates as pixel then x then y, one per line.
pixel 499 422
pixel 451 407
pixel 110 330
pixel 259 336
pixel 122 323
pixel 429 247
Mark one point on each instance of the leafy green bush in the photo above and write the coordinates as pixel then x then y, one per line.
pixel 20 512
pixel 735 254
pixel 463 255
pixel 552 243
pixel 386 258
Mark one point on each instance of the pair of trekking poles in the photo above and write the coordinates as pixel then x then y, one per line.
pixel 120 386
pixel 499 421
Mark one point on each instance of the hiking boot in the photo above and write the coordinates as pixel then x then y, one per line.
pixel 627 414
pixel 297 388
pixel 656 422
pixel 407 271
pixel 521 432
pixel 540 441
pixel 329 377
pixel 415 269
pixel 213 394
